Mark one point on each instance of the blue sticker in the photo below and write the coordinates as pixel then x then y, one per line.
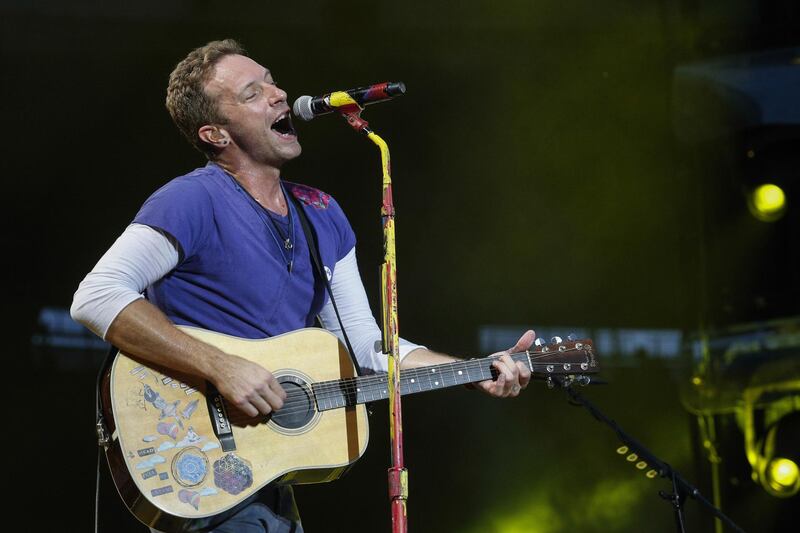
pixel 210 446
pixel 161 490
pixel 146 451
pixel 167 409
pixel 190 467
pixel 150 473
pixel 163 476
pixel 189 409
pixel 150 462
pixel 191 438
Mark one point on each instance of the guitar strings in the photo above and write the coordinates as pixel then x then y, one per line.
pixel 298 401
pixel 415 373
pixel 348 386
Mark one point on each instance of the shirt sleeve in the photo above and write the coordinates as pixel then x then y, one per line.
pixel 183 210
pixel 346 235
pixel 363 331
pixel 138 258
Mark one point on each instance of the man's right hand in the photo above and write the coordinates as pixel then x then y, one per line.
pixel 143 330
pixel 248 386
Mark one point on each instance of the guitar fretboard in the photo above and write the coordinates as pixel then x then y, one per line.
pixel 348 392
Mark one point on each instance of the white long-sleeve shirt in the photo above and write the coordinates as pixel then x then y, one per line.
pixel 142 255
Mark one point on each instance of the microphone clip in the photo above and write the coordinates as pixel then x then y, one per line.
pixel 353 117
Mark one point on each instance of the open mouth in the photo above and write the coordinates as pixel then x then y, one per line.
pixel 283 125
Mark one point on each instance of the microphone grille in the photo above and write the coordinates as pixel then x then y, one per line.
pixel 302 108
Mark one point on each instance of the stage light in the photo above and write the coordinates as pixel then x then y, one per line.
pixel 774 453
pixel 782 474
pixel 767 202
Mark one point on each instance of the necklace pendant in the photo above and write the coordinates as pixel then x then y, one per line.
pixel 288 244
pixel 289 266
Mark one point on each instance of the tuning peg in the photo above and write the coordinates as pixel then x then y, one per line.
pixel 556 340
pixel 539 342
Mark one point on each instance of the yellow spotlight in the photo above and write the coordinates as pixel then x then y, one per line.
pixel 783 476
pixel 767 202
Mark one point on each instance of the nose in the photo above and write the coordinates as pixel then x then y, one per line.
pixel 277 95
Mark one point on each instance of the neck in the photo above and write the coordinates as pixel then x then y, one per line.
pixel 263 182
pixel 362 389
pixel 561 362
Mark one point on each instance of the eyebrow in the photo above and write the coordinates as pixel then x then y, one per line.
pixel 267 73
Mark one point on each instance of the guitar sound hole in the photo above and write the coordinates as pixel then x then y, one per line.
pixel 298 408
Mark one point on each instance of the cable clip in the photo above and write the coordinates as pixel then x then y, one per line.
pixel 103 438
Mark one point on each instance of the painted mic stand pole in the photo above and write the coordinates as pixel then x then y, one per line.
pixel 398 475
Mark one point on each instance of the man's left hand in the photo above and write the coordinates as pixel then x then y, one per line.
pixel 513 376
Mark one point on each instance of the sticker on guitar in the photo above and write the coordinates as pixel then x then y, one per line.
pixel 193 497
pixel 190 466
pixel 232 474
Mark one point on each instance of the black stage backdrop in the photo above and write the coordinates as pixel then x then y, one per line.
pixel 543 178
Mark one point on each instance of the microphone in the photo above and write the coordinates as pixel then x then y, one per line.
pixel 307 107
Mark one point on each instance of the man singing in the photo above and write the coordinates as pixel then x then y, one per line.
pixel 222 248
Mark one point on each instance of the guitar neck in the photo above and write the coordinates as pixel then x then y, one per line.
pixel 362 389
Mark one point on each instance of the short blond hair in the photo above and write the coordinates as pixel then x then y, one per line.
pixel 187 102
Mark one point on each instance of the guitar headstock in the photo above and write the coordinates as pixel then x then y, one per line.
pixel 565 360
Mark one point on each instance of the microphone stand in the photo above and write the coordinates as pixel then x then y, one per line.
pixel 398 475
pixel 680 487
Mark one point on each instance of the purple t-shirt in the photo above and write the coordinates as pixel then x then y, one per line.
pixel 232 275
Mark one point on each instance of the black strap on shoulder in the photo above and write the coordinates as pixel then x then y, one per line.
pixel 313 246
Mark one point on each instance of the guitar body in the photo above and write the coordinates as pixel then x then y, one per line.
pixel 172 464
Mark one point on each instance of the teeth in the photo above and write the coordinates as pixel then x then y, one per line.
pixel 286 124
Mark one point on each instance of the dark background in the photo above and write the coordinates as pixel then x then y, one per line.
pixel 553 167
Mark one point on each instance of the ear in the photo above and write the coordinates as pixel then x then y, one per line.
pixel 214 135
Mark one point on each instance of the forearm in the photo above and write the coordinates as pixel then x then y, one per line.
pixel 424 357
pixel 511 376
pixel 143 331
pixel 109 302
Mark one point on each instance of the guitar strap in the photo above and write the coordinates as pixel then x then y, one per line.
pixel 103 438
pixel 313 247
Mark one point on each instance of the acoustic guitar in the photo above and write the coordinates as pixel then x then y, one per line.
pixel 178 452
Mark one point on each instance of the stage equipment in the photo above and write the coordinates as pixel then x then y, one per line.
pixel 350 108
pixel 767 202
pixel 307 107
pixel 730 95
pixel 746 102
pixel 773 447
pixel 644 460
pixel 745 393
